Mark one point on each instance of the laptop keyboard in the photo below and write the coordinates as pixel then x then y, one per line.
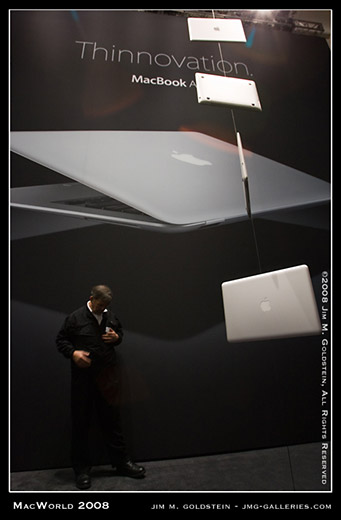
pixel 102 202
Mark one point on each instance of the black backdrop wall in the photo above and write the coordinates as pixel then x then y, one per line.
pixel 186 390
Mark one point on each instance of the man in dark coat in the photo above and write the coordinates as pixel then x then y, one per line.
pixel 88 338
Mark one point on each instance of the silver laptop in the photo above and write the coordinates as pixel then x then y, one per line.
pixel 172 181
pixel 224 90
pixel 212 29
pixel 165 181
pixel 277 304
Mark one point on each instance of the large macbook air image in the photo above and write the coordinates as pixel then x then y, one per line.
pixel 166 181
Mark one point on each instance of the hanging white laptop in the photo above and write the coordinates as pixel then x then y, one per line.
pixel 277 304
pixel 224 90
pixel 212 29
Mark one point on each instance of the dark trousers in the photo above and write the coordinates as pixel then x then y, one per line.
pixel 100 388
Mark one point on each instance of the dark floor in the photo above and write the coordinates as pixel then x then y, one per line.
pixel 293 468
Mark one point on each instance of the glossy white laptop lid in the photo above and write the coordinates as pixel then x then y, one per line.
pixel 278 304
pixel 213 29
pixel 224 90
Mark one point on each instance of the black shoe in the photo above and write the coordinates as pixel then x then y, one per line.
pixel 83 481
pixel 130 469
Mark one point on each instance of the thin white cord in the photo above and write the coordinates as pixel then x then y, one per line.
pixel 235 130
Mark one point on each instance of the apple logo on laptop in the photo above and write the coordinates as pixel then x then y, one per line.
pixel 191 159
pixel 265 305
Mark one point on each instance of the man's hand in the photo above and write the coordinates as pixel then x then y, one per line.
pixel 110 337
pixel 81 358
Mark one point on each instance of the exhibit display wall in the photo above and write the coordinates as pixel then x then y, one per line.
pixel 186 390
